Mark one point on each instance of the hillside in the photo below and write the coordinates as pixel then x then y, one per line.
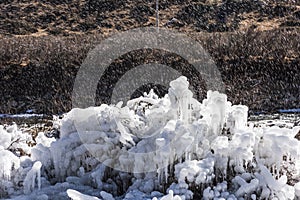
pixel 255 45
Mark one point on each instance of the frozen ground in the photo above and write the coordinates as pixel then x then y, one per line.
pixel 155 148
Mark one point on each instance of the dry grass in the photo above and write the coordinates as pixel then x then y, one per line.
pixel 38 72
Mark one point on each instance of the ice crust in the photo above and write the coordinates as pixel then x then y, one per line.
pixel 166 148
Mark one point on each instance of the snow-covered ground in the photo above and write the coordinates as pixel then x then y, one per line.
pixel 167 148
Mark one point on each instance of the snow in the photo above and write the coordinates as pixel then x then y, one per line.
pixel 170 196
pixel 166 148
pixel 106 196
pixel 25 115
pixel 218 192
pixel 295 110
pixel 75 195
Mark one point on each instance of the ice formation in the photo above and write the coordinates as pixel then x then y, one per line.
pixel 297 189
pixel 32 176
pixel 13 142
pixel 166 148
pixel 169 196
pixel 75 195
pixel 218 192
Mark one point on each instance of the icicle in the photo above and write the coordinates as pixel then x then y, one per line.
pixel 32 175
pixel 160 143
pixel 158 171
pixel 166 174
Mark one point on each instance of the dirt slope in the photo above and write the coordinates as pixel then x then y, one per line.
pixel 43 43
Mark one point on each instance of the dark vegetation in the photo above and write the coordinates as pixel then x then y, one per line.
pixel 43 43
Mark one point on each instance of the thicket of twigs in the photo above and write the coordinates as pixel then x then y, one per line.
pixel 260 69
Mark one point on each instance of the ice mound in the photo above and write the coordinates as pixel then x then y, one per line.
pixel 13 143
pixel 154 148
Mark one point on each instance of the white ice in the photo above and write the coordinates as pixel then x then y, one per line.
pixel 157 139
